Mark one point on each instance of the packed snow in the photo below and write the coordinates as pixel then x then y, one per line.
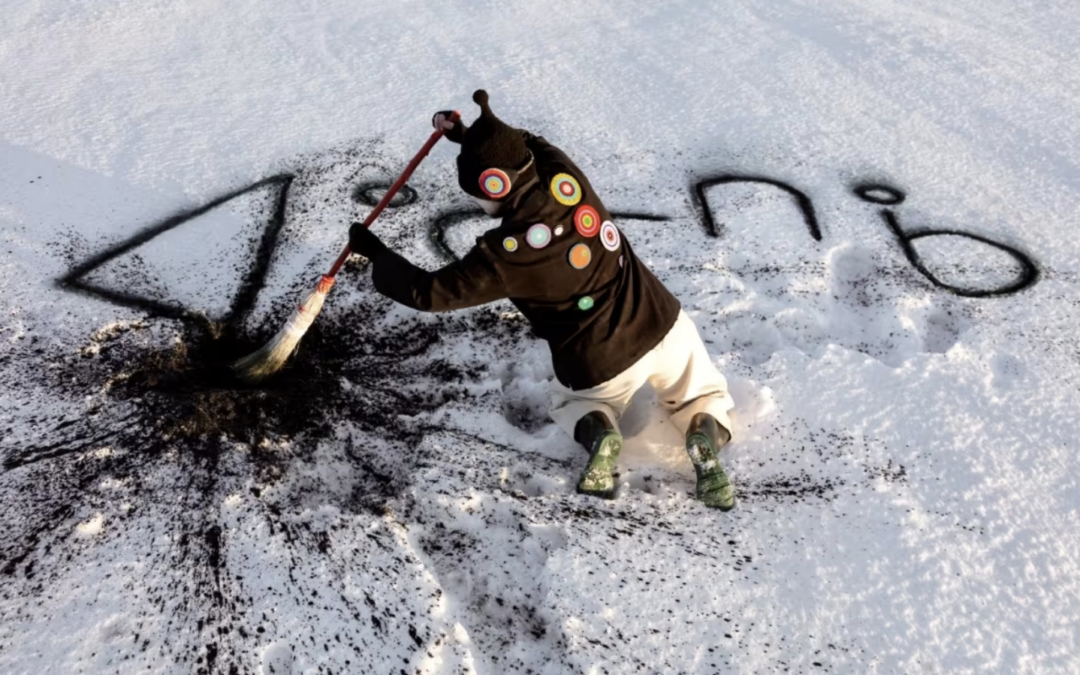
pixel 868 208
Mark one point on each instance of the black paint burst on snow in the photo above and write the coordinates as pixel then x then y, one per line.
pixel 176 411
pixel 159 397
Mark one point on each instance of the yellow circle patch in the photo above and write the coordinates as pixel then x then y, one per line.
pixel 566 189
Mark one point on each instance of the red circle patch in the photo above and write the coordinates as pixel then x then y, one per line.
pixel 587 221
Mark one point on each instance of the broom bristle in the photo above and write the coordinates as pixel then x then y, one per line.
pixel 272 356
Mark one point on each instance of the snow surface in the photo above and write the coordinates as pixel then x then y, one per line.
pixel 905 458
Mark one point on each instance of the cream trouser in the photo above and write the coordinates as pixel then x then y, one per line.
pixel 679 369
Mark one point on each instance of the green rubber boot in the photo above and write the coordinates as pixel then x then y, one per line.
pixel 704 439
pixel 597 434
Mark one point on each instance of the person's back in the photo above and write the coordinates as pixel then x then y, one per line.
pixel 559 258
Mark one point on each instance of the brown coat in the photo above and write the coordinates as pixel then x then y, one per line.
pixel 562 262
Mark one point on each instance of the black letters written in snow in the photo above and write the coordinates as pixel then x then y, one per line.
pixel 884 196
pixel 370 192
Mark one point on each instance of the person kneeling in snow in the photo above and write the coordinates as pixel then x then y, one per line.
pixel 610 324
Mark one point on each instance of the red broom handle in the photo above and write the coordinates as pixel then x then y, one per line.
pixel 405 175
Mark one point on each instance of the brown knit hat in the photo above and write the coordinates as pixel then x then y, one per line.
pixel 489 144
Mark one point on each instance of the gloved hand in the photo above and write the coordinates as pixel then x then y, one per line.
pixel 363 241
pixel 452 130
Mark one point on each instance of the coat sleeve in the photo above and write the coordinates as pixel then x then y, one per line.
pixel 468 282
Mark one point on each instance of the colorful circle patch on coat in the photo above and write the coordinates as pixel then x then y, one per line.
pixel 495 183
pixel 609 236
pixel 566 189
pixel 580 256
pixel 585 303
pixel 538 236
pixel 587 221
pixel 510 244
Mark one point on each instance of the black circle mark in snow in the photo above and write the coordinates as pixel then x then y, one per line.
pixel 443 222
pixel 1029 271
pixel 879 194
pixel 372 193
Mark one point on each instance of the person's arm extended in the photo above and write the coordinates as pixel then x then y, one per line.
pixel 467 282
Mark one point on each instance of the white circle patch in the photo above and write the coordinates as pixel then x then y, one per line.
pixel 609 236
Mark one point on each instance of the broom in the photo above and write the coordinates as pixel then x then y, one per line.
pixel 272 356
